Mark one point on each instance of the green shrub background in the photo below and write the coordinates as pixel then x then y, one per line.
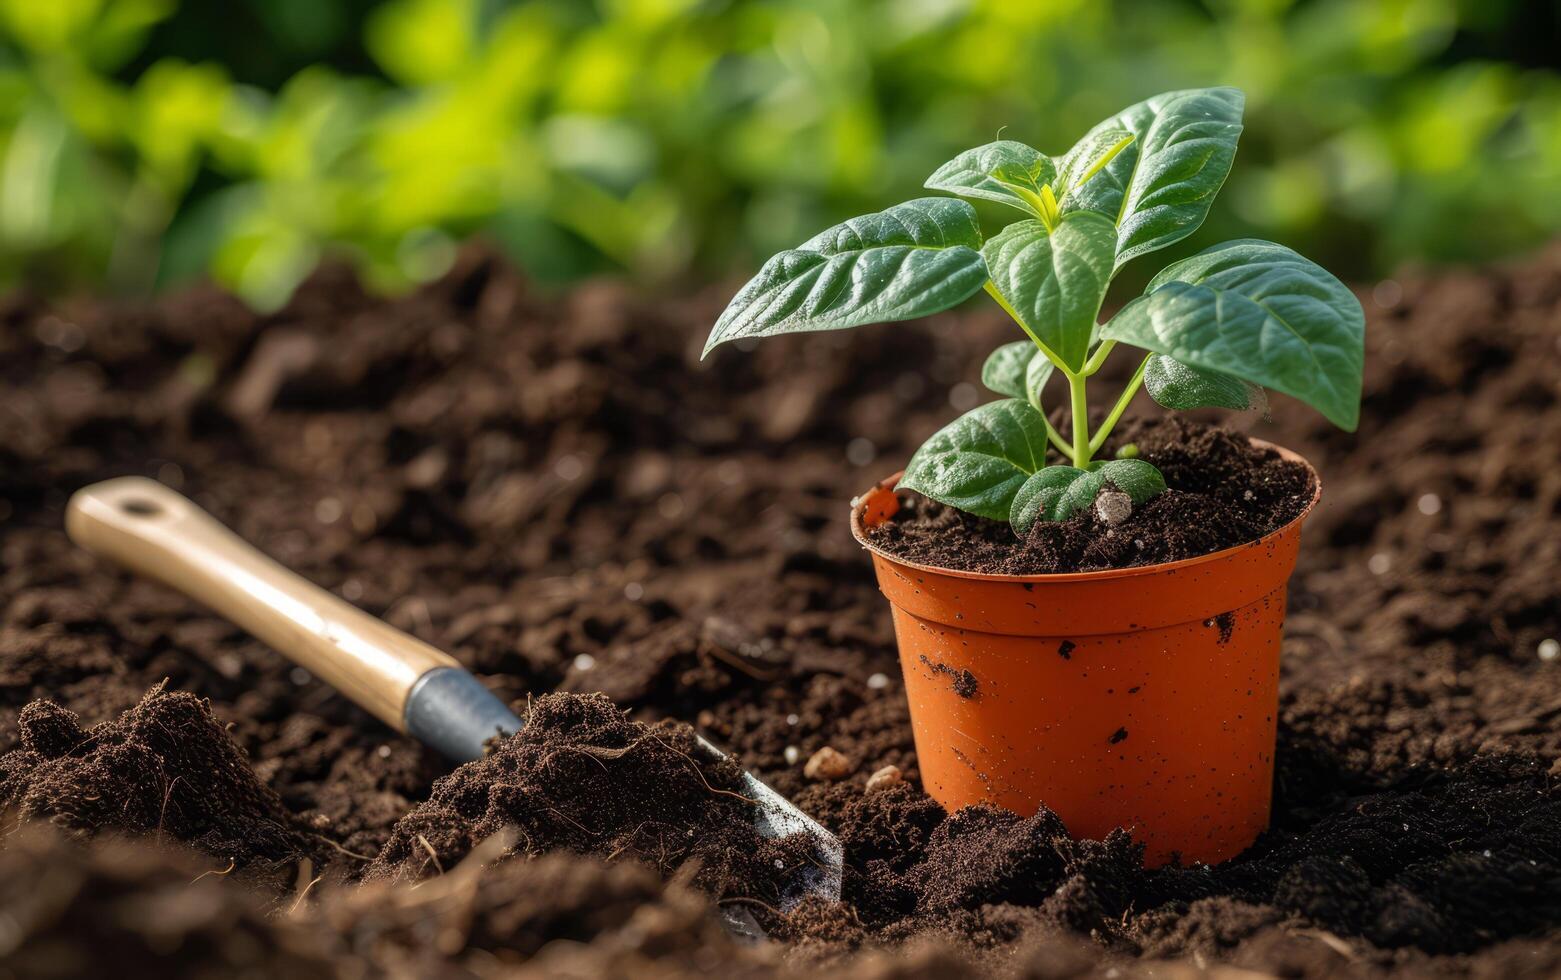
pixel 146 142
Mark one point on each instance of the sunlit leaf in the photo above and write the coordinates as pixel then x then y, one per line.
pixel 914 259
pixel 1159 187
pixel 1089 157
pixel 1175 385
pixel 1262 313
pixel 1055 280
pixel 979 461
pixel 1006 171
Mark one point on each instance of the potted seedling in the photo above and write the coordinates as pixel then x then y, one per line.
pixel 1141 696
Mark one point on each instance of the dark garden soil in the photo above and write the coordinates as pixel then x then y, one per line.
pixel 559 493
pixel 1222 491
pixel 581 776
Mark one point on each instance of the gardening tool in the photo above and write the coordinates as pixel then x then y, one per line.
pixel 410 686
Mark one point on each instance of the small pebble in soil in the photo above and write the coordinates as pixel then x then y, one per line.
pixel 1387 294
pixel 963 396
pixel 792 754
pixel 1549 649
pixel 584 661
pixel 1113 507
pixel 792 720
pixel 827 765
pixel 730 471
pixel 60 334
pixel 860 451
pixel 878 682
pixel 427 469
pixel 1429 503
pixel 383 751
pixel 568 467
pixel 1380 563
pixel 884 778
pixel 670 506
pixel 634 591
pixel 299 676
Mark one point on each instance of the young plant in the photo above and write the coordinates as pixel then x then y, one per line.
pixel 1215 329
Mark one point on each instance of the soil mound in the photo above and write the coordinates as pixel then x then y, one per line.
pixel 154 912
pixel 165 766
pixel 1449 866
pixel 1222 491
pixel 553 905
pixel 132 909
pixel 582 777
pixel 1459 862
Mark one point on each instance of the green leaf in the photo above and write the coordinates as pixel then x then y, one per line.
pixel 1158 189
pixel 1018 370
pixel 977 462
pixel 916 258
pixel 1174 385
pixel 1006 171
pixel 1088 157
pixel 1056 493
pixel 1055 281
pixel 1260 312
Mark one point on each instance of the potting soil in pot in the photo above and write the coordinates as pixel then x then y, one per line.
pixel 560 494
pixel 1222 492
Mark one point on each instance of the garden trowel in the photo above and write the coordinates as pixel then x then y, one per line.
pixel 410 686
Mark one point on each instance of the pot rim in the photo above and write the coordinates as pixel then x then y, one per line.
pixel 859 504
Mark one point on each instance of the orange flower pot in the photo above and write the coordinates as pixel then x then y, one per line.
pixel 1142 698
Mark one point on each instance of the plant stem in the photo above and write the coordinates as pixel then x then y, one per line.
pixel 1052 434
pixel 1051 355
pixel 1056 437
pixel 1081 440
pixel 1120 407
pixel 1098 359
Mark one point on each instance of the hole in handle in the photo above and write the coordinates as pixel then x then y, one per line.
pixel 140 507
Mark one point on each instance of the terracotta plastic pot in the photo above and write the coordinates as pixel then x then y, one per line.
pixel 1142 698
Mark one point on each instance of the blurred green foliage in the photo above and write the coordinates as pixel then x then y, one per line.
pixel 144 142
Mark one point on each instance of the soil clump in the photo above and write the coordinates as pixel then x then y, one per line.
pixel 164 767
pixel 581 776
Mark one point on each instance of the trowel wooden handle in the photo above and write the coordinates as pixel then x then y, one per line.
pixel 151 530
